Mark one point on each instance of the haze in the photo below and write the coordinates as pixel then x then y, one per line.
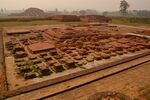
pixel 100 5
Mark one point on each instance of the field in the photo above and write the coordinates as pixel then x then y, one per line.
pixel 131 21
pixel 30 23
pixel 115 20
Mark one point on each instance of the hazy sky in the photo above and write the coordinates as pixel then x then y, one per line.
pixel 100 5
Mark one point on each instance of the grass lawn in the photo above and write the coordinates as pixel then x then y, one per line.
pixel 131 21
pixel 30 23
pixel 115 20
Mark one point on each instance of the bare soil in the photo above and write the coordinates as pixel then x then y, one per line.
pixel 129 82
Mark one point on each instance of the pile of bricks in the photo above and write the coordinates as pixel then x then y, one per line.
pixel 95 18
pixel 66 18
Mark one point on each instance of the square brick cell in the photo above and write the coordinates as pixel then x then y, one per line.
pixel 40 47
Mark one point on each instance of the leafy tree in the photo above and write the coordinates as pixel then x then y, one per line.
pixel 124 5
pixel 2 10
pixel 56 10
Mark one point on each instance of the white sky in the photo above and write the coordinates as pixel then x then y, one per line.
pixel 100 5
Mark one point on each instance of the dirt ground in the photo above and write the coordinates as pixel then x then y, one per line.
pixel 130 82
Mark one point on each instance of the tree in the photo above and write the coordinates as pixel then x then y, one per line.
pixel 124 6
pixel 2 11
pixel 56 10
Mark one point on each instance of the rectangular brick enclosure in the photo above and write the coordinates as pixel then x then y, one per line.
pixel 39 57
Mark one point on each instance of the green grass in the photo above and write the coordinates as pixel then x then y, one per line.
pixel 115 20
pixel 40 22
pixel 1 17
pixel 131 21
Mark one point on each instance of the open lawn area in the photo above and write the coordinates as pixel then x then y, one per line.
pixel 131 21
pixel 30 23
pixel 115 20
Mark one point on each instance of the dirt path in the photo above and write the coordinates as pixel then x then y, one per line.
pixel 128 82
